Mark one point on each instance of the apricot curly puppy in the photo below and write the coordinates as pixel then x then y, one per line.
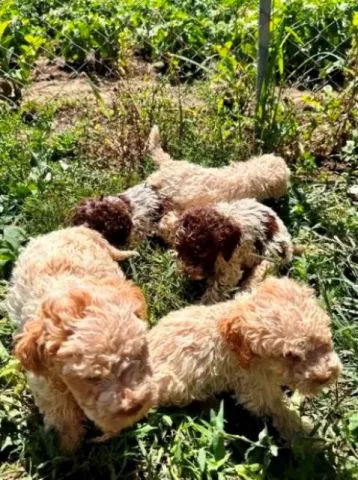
pixel 227 240
pixel 187 184
pixel 82 338
pixel 123 219
pixel 276 336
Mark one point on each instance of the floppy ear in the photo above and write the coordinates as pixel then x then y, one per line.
pixel 62 309
pixel 29 346
pixel 228 237
pixel 231 330
pixel 133 401
pixel 134 294
pixel 197 239
pixel 43 336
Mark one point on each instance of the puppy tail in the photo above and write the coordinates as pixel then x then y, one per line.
pixel 155 148
pixel 120 255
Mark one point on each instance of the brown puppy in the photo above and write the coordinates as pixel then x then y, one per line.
pixel 123 219
pixel 226 240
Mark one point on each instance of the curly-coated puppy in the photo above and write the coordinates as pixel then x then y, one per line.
pixel 276 336
pixel 187 184
pixel 227 240
pixel 82 338
pixel 122 219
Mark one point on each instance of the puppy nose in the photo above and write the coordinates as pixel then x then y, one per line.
pixel 321 378
pixel 329 375
pixel 335 370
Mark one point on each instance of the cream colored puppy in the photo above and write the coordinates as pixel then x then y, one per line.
pixel 81 335
pixel 188 185
pixel 277 335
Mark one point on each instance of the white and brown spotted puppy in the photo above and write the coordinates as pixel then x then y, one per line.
pixel 224 241
pixel 123 219
pixel 81 335
pixel 188 185
pixel 276 335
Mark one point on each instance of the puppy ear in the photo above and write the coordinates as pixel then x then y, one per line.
pixel 229 236
pixel 196 239
pixel 65 308
pixel 110 216
pixel 133 401
pixel 231 330
pixel 135 296
pixel 43 336
pixel 29 346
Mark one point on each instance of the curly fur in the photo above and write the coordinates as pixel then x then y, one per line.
pixel 125 219
pixel 81 335
pixel 110 216
pixel 276 336
pixel 202 235
pixel 190 185
pixel 228 240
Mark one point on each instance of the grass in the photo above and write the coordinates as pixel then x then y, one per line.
pixel 43 174
pixel 53 153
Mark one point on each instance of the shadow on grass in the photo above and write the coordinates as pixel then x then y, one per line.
pixel 127 456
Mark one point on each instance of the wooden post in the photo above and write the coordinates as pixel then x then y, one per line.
pixel 263 47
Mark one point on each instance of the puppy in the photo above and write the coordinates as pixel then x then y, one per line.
pixel 227 240
pixel 124 219
pixel 81 338
pixel 277 335
pixel 188 185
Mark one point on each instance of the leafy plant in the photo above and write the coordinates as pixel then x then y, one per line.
pixel 11 239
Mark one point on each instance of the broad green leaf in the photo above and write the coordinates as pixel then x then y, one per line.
pixel 167 420
pixel 353 422
pixel 4 354
pixel 3 27
pixel 14 236
pixel 355 19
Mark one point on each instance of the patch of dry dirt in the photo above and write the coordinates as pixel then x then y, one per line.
pixel 54 80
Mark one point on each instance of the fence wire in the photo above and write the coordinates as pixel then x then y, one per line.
pixel 311 45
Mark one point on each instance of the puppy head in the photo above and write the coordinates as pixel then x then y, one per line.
pixel 282 324
pixel 201 236
pixel 95 342
pixel 110 216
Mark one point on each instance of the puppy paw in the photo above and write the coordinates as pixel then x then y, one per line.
pixel 307 425
pixel 292 425
pixel 70 440
pixel 103 438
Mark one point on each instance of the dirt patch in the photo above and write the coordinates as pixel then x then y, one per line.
pixel 55 80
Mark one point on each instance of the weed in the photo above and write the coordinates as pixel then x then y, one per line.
pixel 53 154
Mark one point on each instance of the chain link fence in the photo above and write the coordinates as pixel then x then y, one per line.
pixel 51 50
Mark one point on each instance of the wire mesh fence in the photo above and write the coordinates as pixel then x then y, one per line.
pixel 88 45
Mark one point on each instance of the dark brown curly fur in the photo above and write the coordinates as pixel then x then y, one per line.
pixel 110 218
pixel 202 235
pixel 270 226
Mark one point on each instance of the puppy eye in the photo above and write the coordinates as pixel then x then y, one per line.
pixel 293 357
pixel 94 380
